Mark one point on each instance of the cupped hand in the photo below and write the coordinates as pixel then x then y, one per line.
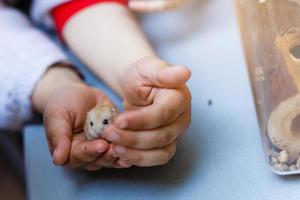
pixel 157 112
pixel 64 118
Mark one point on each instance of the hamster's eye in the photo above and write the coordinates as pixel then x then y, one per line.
pixel 92 124
pixel 105 121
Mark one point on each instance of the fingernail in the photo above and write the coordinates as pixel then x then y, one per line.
pixel 113 136
pixel 123 124
pixel 119 149
pixel 114 155
pixel 54 153
pixel 100 150
pixel 54 159
pixel 123 163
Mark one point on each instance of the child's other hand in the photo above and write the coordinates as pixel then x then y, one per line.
pixel 158 110
pixel 64 118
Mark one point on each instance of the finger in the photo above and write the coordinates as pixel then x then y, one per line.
pixel 160 74
pixel 148 139
pixel 116 166
pixel 121 164
pixel 86 151
pixel 145 158
pixel 167 107
pixel 128 106
pixel 172 77
pixel 157 73
pixel 92 167
pixel 106 160
pixel 59 134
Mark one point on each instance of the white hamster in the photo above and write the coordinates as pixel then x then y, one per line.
pixel 97 119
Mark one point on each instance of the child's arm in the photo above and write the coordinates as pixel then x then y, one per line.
pixel 108 39
pixel 28 83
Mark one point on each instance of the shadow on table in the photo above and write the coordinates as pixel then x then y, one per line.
pixel 173 175
pixel 290 178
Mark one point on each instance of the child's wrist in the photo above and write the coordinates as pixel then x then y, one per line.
pixel 55 79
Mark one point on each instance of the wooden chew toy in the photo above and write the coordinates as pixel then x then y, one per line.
pixel 284 120
pixel 270 31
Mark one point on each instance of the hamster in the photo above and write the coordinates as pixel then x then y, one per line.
pixel 97 119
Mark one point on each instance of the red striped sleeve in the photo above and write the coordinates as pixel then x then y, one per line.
pixel 62 13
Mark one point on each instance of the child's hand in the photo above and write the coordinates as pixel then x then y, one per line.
pixel 65 100
pixel 158 110
pixel 64 118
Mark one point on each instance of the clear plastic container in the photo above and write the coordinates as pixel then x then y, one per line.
pixel 271 36
pixel 156 5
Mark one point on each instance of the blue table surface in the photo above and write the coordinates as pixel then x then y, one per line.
pixel 219 157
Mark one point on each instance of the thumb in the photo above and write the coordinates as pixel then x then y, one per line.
pixel 171 77
pixel 59 133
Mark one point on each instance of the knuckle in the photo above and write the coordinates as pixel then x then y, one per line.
pixel 167 114
pixel 143 93
pixel 163 138
pixel 132 141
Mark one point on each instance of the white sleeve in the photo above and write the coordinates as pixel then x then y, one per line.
pixel 40 11
pixel 25 54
